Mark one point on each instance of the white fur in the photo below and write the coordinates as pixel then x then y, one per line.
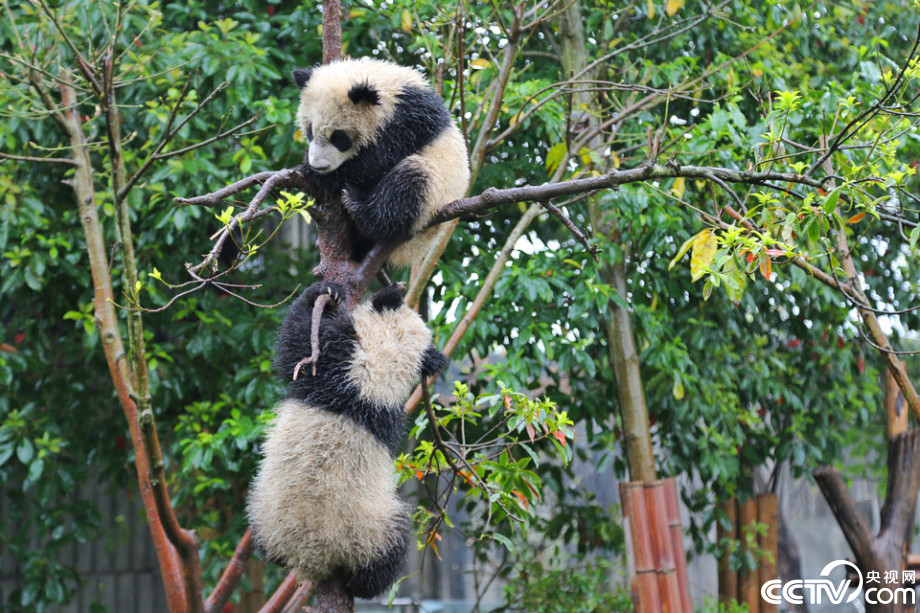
pixel 325 107
pixel 388 356
pixel 445 162
pixel 325 496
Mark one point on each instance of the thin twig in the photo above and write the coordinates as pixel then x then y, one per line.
pixel 318 306
pixel 568 223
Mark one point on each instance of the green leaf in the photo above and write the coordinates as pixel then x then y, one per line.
pixel 830 205
pixel 504 540
pixel 25 451
pixel 914 236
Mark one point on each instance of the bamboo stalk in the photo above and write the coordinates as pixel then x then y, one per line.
pixel 676 531
pixel 766 513
pixel 662 549
pixel 728 579
pixel 645 582
pixel 748 590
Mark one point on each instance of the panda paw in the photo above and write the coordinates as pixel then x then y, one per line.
pixel 351 200
pixel 433 362
pixel 324 288
pixel 388 299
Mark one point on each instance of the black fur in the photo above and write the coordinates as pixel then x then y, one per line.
pixel 375 578
pixel 302 76
pixel 389 210
pixel 433 362
pixel 387 213
pixel 363 92
pixel 330 388
pixel 387 299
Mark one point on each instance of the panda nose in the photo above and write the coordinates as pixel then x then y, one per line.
pixel 318 162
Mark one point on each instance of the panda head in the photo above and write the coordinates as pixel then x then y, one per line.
pixel 345 104
pixel 393 347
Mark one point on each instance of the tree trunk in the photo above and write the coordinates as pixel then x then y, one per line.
pixel 887 550
pixel 620 339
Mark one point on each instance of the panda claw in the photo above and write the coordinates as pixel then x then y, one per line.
pixel 302 363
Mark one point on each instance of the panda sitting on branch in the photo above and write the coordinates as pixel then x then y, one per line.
pixel 324 500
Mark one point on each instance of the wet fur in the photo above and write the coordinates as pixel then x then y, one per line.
pixel 324 500
pixel 409 158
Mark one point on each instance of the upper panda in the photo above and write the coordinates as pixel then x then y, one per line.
pixel 324 500
pixel 382 139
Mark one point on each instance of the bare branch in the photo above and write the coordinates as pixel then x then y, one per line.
pixel 231 576
pixel 282 595
pixel 851 521
pixel 169 133
pixel 27 158
pixel 578 234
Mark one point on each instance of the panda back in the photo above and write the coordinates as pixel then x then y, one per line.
pixel 325 496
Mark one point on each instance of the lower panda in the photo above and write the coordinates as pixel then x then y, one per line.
pixel 324 501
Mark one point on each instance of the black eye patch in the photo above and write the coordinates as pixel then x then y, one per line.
pixel 309 133
pixel 340 140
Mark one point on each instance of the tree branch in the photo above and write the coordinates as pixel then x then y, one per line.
pixel 281 596
pixel 28 158
pixel 107 324
pixel 902 485
pixel 851 521
pixel 485 291
pixel 231 576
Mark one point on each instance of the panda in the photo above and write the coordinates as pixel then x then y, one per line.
pixel 324 502
pixel 382 139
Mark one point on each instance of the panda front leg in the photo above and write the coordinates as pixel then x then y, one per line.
pixel 300 328
pixel 389 212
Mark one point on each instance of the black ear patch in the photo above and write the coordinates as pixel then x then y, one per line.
pixel 363 92
pixel 388 299
pixel 302 76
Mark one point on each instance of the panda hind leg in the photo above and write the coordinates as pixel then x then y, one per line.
pixel 375 578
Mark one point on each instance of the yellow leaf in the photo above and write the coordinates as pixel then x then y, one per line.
pixel 856 218
pixel 651 9
pixel 766 266
pixel 678 188
pixel 678 389
pixel 480 63
pixel 572 263
pixel 616 159
pixel 406 23
pixel 702 253
pixel 298 136
pixel 673 6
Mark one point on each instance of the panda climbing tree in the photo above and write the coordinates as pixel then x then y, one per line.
pixel 385 164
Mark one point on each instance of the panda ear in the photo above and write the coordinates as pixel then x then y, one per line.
pixel 388 299
pixel 302 76
pixel 363 92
